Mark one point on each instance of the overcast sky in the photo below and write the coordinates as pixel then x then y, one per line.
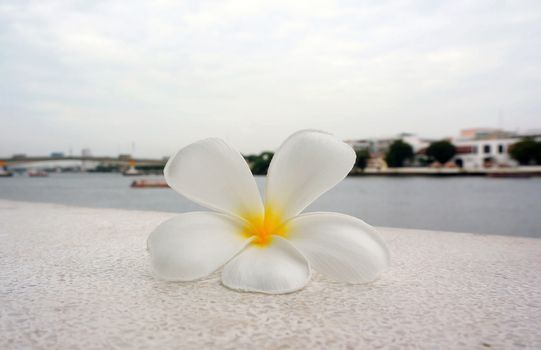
pixel 162 74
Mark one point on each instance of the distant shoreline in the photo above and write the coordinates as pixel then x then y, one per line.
pixel 518 172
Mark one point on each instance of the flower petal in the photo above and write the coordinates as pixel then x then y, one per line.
pixel 340 246
pixel 212 174
pixel 308 164
pixel 193 245
pixel 273 269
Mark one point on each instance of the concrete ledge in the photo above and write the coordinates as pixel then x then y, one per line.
pixel 78 278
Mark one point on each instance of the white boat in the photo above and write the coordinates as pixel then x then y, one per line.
pixel 4 173
pixel 132 172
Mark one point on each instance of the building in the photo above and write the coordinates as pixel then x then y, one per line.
pixel 480 148
pixel 87 165
pixel 478 154
pixel 532 134
pixel 378 147
pixel 485 134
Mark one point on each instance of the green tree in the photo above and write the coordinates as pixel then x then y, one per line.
pixel 538 154
pixel 525 151
pixel 362 158
pixel 259 164
pixel 398 153
pixel 442 151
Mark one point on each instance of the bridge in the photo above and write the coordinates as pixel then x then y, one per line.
pixel 106 160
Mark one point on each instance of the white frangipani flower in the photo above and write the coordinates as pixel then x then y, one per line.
pixel 265 247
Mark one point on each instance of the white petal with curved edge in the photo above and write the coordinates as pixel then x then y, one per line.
pixel 212 174
pixel 273 269
pixel 193 245
pixel 308 164
pixel 340 246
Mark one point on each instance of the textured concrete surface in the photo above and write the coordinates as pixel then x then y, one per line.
pixel 78 278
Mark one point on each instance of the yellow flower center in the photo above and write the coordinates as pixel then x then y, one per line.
pixel 264 227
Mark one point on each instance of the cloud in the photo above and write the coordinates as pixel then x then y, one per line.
pixel 165 73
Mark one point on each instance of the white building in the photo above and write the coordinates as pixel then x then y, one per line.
pixel 87 165
pixel 478 154
pixel 379 146
pixel 416 142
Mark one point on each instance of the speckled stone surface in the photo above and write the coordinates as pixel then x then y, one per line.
pixel 78 278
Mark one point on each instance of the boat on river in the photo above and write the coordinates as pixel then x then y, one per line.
pixel 131 171
pixel 37 173
pixel 3 171
pixel 149 184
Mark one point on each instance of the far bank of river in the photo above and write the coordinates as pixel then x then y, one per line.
pixel 521 171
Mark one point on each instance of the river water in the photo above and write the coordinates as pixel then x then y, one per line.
pixel 463 204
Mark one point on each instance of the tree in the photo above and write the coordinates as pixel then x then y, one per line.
pixel 362 158
pixel 259 164
pixel 525 151
pixel 398 153
pixel 442 151
pixel 538 154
